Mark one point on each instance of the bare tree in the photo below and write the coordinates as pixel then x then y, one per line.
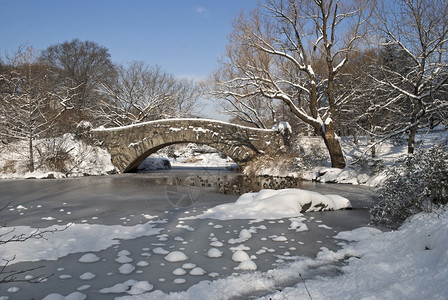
pixel 81 66
pixel 244 105
pixel 142 93
pixel 300 48
pixel 29 106
pixel 417 30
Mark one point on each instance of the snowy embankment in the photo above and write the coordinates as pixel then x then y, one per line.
pixel 410 263
pixel 71 156
pixel 360 168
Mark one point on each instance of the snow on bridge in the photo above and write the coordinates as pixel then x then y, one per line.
pixel 130 145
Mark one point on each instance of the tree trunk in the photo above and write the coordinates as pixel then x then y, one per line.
pixel 417 113
pixel 411 139
pixel 333 147
pixel 31 156
pixel 372 140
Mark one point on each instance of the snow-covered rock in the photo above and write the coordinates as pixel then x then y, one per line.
pixel 154 163
pixel 275 204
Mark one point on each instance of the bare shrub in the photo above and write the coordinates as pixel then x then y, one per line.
pixel 9 166
pixel 54 154
pixel 418 184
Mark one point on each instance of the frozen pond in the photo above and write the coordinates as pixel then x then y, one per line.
pixel 161 199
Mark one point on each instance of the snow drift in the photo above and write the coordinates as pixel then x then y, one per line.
pixel 275 204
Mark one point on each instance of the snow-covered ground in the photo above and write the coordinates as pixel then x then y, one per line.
pixel 409 263
pixel 90 160
pixel 360 167
pixel 80 159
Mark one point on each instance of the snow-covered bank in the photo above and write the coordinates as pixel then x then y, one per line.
pixel 312 162
pixel 56 158
pixel 410 263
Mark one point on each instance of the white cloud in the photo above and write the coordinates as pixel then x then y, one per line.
pixel 201 10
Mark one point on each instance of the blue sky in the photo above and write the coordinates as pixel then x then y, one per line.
pixel 184 37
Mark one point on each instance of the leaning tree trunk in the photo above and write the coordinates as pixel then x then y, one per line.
pixel 333 146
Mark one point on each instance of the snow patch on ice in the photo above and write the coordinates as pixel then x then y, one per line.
pixel 72 296
pixel 275 204
pixel 77 238
pixel 176 256
pixel 89 258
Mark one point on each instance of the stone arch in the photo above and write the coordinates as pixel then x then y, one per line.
pixel 130 145
pixel 134 164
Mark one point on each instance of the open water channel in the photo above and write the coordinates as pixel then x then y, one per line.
pixel 166 196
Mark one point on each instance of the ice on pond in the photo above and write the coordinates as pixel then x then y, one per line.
pixel 214 253
pixel 142 263
pixel 72 296
pixel 281 238
pixel 216 244
pixel 176 256
pixel 179 272
pixel 197 271
pixel 140 287
pixel 298 227
pixel 126 269
pixel 89 258
pixel 240 256
pixel 179 281
pixel 149 217
pixel 188 266
pixel 123 253
pixel 245 234
pixel 119 287
pixel 13 289
pixel 87 276
pixel 324 226
pixel 123 259
pixel 247 265
pixel 160 250
pixel 239 247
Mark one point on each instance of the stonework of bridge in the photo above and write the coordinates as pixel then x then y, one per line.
pixel 130 145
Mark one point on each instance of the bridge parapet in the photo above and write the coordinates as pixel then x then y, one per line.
pixel 130 145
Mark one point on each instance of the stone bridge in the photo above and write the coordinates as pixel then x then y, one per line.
pixel 130 145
